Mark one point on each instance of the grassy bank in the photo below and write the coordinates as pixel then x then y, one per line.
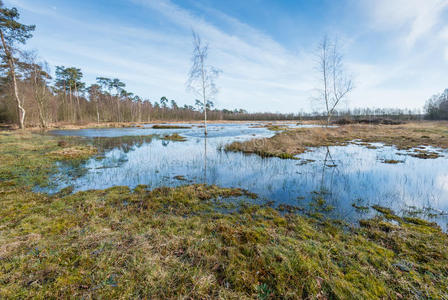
pixel 190 242
pixel 291 142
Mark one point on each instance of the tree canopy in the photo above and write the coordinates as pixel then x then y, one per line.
pixel 437 106
pixel 13 31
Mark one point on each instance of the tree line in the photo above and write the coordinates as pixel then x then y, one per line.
pixel 437 106
pixel 30 95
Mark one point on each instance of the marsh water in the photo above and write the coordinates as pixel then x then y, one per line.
pixel 341 182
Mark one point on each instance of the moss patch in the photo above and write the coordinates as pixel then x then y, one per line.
pixel 175 243
pixel 392 161
pixel 75 152
pixel 174 137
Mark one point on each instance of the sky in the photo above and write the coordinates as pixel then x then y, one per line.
pixel 395 50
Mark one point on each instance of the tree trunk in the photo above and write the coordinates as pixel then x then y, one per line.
pixel 205 116
pixel 39 96
pixel 64 108
pixel 204 95
pixel 118 109
pixel 40 105
pixel 20 110
pixel 71 103
pixel 43 122
pixel 79 106
pixel 97 110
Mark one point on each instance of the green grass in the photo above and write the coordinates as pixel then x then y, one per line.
pixel 174 137
pixel 234 147
pixel 177 243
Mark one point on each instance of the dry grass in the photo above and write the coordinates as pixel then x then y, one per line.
pixel 176 243
pixel 170 127
pixel 295 141
pixel 83 125
pixel 174 137
pixel 73 152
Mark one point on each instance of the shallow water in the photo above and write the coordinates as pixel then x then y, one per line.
pixel 344 176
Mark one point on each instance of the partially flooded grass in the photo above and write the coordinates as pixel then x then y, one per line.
pixel 170 127
pixel 29 159
pixel 276 127
pixel 424 154
pixel 262 147
pixel 74 152
pixel 392 161
pixel 174 137
pixel 288 143
pixel 176 243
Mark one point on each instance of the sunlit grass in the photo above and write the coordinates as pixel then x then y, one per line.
pixel 178 243
pixel 288 143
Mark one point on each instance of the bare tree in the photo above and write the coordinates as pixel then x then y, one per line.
pixel 335 83
pixel 11 32
pixel 118 86
pixel 39 75
pixel 94 92
pixel 201 79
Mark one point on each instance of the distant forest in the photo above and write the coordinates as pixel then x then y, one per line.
pixel 437 107
pixel 30 95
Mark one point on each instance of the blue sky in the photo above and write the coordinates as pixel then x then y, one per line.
pixel 397 50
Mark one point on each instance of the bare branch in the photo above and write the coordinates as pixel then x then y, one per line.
pixel 335 83
pixel 201 79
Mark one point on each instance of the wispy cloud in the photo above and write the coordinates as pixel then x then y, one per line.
pixel 256 68
pixel 260 72
pixel 414 18
pixel 412 40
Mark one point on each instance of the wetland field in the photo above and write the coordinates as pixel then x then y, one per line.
pixel 253 210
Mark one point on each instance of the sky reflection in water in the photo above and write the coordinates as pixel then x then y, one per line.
pixel 342 175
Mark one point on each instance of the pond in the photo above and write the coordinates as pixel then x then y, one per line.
pixel 341 182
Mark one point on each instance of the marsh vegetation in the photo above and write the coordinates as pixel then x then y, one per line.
pixel 196 240
pixel 114 204
pixel 404 136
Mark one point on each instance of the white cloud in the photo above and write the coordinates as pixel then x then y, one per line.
pixel 426 19
pixel 257 69
pixel 444 38
pixel 260 74
pixel 416 18
pixel 444 33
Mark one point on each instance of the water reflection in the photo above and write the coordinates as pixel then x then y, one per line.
pixel 123 143
pixel 205 158
pixel 330 164
pixel 339 181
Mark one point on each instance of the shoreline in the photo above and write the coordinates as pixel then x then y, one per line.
pixel 89 125
pixel 178 241
pixel 292 141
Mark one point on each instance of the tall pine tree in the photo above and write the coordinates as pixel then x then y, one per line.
pixel 11 33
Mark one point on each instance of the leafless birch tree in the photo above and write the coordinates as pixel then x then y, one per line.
pixel 39 75
pixel 12 32
pixel 201 79
pixel 336 84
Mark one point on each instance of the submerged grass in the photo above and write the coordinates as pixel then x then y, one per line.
pixel 392 161
pixel 175 243
pixel 291 142
pixel 170 127
pixel 174 137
